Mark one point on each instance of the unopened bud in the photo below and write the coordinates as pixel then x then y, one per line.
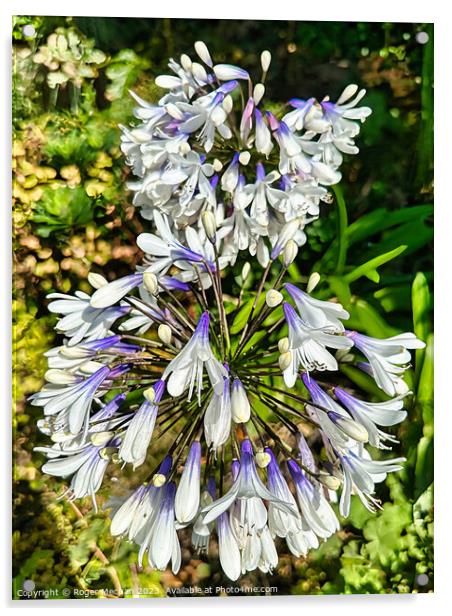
pixel 150 282
pixel 344 356
pixel 60 437
pixel 60 377
pixel 351 428
pixel 313 281
pixel 273 298
pixel 240 405
pixel 228 103
pixel 164 333
pixel 75 352
pixel 101 438
pixel 210 225
pixel 174 111
pixel 199 72
pixel 266 58
pixel 184 147
pixel 258 93
pixel 244 158
pixel 246 271
pixel 287 233
pixel 329 481
pixel 90 367
pixel 97 280
pixel 217 165
pixel 158 480
pixel 290 252
pixel 185 62
pixel 203 52
pixel 149 394
pixel 285 360
pixel 283 345
pixel 263 459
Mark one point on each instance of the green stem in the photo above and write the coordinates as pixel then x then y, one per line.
pixel 342 223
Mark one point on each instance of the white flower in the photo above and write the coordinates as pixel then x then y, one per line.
pixel 317 313
pixel 87 465
pixel 247 485
pixel 74 400
pixel 308 347
pixel 316 510
pixel 81 321
pixel 228 548
pixel 217 418
pixel 137 437
pixel 388 357
pixel 373 414
pixel 161 541
pixel 360 474
pixel 240 405
pixel 188 492
pixel 186 370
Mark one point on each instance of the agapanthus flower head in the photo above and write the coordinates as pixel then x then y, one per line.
pixel 162 364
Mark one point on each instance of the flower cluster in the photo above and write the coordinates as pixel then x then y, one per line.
pixel 209 146
pixel 241 428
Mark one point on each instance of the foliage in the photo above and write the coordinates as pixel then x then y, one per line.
pixel 372 246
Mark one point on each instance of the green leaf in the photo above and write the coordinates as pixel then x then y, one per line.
pixel 369 266
pixel 364 317
pixel 421 301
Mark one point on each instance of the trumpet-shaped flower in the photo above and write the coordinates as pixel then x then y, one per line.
pixel 186 369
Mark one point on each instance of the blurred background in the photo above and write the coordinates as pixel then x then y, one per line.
pixel 72 214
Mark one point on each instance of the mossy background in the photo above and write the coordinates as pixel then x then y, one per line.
pixel 373 246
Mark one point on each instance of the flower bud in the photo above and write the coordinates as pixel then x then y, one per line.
pixel 199 72
pixel 266 58
pixel 210 225
pixel 203 52
pixel 313 281
pixel 174 111
pixel 283 345
pixel 158 480
pixel 75 352
pixel 149 394
pixel 217 165
pixel 89 367
pixel 228 103
pixel 246 269
pixel 285 360
pixel 287 233
pixel 101 438
pixel 186 62
pixel 164 333
pixel 244 158
pixel 60 437
pixel 273 298
pixel 184 148
pixel 258 93
pixel 150 282
pixel 97 280
pixel 227 72
pixel 329 481
pixel 290 252
pixel 351 428
pixel 60 377
pixel 240 405
pixel 263 459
